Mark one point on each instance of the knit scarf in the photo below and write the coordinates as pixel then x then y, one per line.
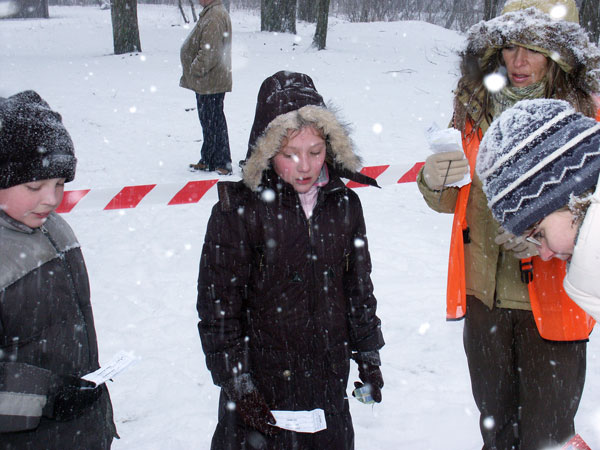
pixel 509 95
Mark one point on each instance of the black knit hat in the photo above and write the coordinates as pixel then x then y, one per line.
pixel 34 144
pixel 533 157
pixel 281 93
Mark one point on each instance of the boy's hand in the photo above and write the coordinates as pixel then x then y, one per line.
pixel 71 396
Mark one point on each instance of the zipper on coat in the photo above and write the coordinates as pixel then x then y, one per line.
pixel 74 295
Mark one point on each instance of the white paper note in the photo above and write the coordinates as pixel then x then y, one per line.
pixel 301 421
pixel 446 140
pixel 115 366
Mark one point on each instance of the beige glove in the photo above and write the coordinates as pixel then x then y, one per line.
pixel 520 247
pixel 444 168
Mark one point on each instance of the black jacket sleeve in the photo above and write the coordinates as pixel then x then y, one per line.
pixel 364 325
pixel 222 280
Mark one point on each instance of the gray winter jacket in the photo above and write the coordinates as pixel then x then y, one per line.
pixel 46 331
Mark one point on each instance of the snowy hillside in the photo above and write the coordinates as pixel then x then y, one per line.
pixel 133 125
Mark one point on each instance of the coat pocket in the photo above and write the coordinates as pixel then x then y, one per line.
pixel 23 395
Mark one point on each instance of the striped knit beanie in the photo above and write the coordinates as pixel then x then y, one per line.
pixel 534 157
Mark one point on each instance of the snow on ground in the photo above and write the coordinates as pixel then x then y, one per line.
pixel 132 124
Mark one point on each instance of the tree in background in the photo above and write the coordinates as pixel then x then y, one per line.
pixel 490 9
pixel 194 15
pixel 126 34
pixel 320 37
pixel 589 16
pixel 278 16
pixel 307 10
pixel 27 9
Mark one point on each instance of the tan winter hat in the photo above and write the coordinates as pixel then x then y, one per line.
pixel 558 9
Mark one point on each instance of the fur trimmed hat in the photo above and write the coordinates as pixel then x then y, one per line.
pixel 290 101
pixel 34 144
pixel 564 41
pixel 534 157
pixel 558 9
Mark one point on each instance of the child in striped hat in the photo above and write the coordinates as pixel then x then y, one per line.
pixel 539 164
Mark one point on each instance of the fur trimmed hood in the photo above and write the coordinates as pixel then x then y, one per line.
pixel 289 101
pixel 565 42
pixel 340 149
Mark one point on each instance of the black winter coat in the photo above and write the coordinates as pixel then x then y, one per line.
pixel 286 298
pixel 47 328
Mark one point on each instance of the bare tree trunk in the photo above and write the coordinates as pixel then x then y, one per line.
pixel 589 16
pixel 185 19
pixel 450 21
pixel 126 34
pixel 28 9
pixel 490 8
pixel 307 10
pixel 194 15
pixel 278 16
pixel 320 37
pixel 364 12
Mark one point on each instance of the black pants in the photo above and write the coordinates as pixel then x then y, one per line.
pixel 527 389
pixel 215 146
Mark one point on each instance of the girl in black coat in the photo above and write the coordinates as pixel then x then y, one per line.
pixel 285 298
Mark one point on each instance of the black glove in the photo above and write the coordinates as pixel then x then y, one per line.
pixel 250 404
pixel 71 396
pixel 255 413
pixel 372 378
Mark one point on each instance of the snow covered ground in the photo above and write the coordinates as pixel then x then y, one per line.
pixel 129 122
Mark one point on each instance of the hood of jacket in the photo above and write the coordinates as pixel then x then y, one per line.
pixel 563 41
pixel 290 101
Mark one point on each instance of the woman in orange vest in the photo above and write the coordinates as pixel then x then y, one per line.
pixel 526 385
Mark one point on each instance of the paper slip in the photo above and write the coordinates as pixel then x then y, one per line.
pixel 301 421
pixel 446 140
pixel 115 366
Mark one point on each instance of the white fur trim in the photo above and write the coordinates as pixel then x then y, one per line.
pixel 269 143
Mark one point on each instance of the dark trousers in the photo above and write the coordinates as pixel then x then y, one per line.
pixel 527 389
pixel 215 146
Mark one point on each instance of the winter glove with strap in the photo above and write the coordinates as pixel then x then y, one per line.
pixel 70 396
pixel 250 404
pixel 369 373
pixel 518 245
pixel 444 168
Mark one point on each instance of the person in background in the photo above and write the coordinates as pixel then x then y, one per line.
pixel 47 334
pixel 541 183
pixel 526 364
pixel 206 62
pixel 285 297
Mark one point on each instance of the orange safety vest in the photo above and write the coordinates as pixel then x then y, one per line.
pixel 557 317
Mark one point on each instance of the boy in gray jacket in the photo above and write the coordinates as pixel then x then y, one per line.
pixel 47 335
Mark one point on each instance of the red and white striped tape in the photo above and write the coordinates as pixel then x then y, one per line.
pixel 194 191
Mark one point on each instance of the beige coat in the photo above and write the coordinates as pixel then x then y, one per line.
pixel 206 53
pixel 488 269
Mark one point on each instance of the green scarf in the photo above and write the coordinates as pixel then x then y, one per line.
pixel 509 95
